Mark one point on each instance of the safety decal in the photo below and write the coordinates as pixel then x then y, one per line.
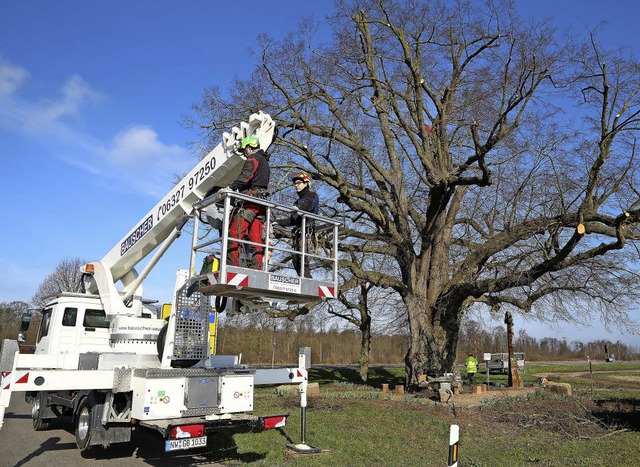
pixel 240 280
pixel 328 292
pixel 19 377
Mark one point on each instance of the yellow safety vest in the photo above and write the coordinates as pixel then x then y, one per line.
pixel 472 365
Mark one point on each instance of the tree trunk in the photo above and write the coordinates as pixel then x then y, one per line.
pixel 365 348
pixel 433 338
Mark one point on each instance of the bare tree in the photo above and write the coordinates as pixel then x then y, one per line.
pixel 10 314
pixel 66 277
pixel 490 161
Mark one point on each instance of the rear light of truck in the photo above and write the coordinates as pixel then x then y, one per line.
pixel 276 421
pixel 187 431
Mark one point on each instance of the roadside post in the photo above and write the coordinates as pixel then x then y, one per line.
pixel 487 358
pixel 454 436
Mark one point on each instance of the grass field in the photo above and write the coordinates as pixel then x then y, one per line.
pixel 358 425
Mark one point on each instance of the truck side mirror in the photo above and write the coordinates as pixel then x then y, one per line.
pixel 24 326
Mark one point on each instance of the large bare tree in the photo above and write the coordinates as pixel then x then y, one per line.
pixel 480 157
pixel 66 277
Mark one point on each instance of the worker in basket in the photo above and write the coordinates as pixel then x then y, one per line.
pixel 249 218
pixel 307 201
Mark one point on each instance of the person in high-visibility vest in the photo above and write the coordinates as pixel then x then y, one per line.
pixel 472 367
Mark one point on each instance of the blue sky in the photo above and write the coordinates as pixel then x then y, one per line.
pixel 91 97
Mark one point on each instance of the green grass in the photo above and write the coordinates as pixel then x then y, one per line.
pixel 356 432
pixel 357 425
pixel 580 367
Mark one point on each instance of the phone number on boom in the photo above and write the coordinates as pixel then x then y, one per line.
pixel 173 199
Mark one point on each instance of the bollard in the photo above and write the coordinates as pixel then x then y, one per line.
pixel 454 436
pixel 400 389
pixel 385 387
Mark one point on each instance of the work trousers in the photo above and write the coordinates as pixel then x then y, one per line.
pixel 240 227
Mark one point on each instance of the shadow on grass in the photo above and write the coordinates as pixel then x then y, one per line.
pixel 376 377
pixel 623 413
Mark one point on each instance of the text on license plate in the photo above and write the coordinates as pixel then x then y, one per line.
pixel 185 443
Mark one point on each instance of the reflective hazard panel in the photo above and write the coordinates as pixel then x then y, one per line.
pixel 324 291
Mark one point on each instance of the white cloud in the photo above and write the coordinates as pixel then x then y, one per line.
pixel 135 158
pixel 40 118
pixel 139 146
pixel 11 78
pixel 138 158
pixel 76 93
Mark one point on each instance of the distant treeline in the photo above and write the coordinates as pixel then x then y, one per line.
pixel 264 341
pixel 266 345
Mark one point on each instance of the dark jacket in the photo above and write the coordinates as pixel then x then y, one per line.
pixel 255 173
pixel 307 201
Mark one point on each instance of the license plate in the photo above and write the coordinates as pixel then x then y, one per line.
pixel 185 443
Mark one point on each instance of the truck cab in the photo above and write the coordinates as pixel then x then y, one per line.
pixel 75 329
pixel 72 324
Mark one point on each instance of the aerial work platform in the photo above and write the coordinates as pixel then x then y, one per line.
pixel 314 244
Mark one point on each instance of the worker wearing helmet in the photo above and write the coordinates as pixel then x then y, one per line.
pixel 249 219
pixel 472 367
pixel 307 201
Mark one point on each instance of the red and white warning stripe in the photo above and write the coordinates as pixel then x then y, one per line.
pixel 328 292
pixel 240 280
pixel 19 377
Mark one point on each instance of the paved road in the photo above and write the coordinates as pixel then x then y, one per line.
pixel 56 446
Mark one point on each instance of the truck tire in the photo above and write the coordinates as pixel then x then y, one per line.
pixel 39 422
pixel 85 421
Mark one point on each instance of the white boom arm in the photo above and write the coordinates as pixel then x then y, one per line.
pixel 219 168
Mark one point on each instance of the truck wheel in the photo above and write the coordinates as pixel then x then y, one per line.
pixel 39 423
pixel 86 414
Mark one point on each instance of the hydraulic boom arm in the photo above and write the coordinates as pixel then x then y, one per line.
pixel 219 168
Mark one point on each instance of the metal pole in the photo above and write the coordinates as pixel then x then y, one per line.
pixel 303 428
pixel 131 288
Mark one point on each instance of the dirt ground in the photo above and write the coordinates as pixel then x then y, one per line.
pixel 612 381
pixel 468 399
pixel 569 417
